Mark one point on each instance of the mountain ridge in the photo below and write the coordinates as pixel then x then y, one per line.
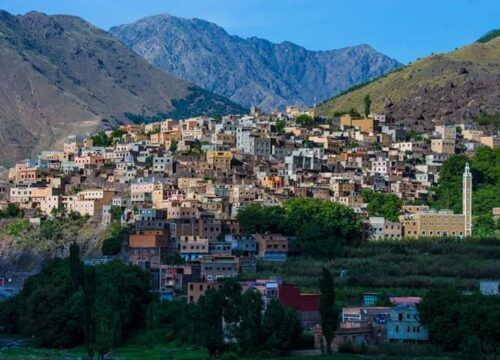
pixel 445 88
pixel 251 71
pixel 61 75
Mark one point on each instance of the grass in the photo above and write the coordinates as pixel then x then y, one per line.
pixel 167 352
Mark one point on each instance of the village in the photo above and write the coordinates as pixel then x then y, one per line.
pixel 177 188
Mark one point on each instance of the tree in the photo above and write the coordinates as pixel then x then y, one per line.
pixel 250 336
pixel 320 226
pixel 211 331
pixel 387 206
pixel 330 317
pixel 280 126
pixel 368 103
pixel 231 302
pixel 89 287
pixel 255 218
pixel 305 120
pixel 173 146
pixel 281 327
pixel 75 266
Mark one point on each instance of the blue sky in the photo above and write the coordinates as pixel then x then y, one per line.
pixel 403 29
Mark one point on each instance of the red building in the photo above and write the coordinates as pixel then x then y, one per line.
pixel 306 305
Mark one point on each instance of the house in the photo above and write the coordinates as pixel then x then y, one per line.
pixel 306 305
pixel 489 287
pixel 148 247
pixel 215 267
pixel 271 247
pixel 404 324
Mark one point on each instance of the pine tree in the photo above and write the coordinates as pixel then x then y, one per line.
pixel 368 103
pixel 327 307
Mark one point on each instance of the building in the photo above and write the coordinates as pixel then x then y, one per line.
pixel 490 287
pixel 467 200
pixel 368 125
pixel 404 325
pixel 215 267
pixel 271 247
pixel 378 228
pixel 443 146
pixel 306 305
pixel 433 223
pixel 195 290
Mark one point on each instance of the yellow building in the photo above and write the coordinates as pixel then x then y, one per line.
pixel 220 159
pixel 364 124
pixel 491 141
pixel 433 224
pixel 442 146
pixel 422 222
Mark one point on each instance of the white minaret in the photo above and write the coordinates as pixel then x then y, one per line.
pixel 467 200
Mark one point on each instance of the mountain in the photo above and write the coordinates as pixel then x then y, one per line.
pixel 440 89
pixel 249 71
pixel 60 75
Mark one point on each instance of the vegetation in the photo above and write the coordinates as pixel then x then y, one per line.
pixel 199 101
pixel 320 227
pixel 328 309
pixel 116 235
pixel 305 120
pixel 493 34
pixel 387 206
pixel 11 211
pixel 462 322
pixel 485 167
pixel 398 267
pixel 280 126
pixel 487 119
pixel 101 139
pixel 368 103
pixel 67 302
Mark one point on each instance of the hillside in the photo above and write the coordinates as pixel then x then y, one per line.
pixel 443 88
pixel 60 75
pixel 249 71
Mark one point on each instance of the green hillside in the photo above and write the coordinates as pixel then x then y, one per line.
pixel 453 86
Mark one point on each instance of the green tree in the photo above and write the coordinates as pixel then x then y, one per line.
pixel 173 146
pixel 250 337
pixel 280 126
pixel 387 206
pixel 281 327
pixel 211 331
pixel 89 288
pixel 305 120
pixel 255 218
pixel 75 266
pixel 101 139
pixel 328 309
pixel 368 103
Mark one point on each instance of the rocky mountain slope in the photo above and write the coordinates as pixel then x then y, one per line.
pixel 444 88
pixel 249 71
pixel 60 75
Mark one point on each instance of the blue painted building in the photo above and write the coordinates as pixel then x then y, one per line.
pixel 404 325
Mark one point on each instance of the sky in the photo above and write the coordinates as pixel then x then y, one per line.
pixel 403 29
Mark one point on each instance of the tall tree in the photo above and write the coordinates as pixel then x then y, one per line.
pixel 250 335
pixel 281 327
pixel 368 104
pixel 211 328
pixel 75 266
pixel 89 287
pixel 327 308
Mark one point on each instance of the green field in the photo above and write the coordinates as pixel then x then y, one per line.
pixel 409 267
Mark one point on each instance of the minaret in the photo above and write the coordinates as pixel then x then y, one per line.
pixel 467 200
